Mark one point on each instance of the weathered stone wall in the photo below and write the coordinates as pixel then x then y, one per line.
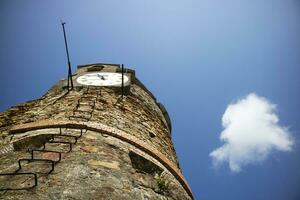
pixel 137 113
pixel 98 167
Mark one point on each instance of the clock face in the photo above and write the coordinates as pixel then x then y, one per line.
pixel 102 79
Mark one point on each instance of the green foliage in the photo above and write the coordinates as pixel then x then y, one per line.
pixel 162 183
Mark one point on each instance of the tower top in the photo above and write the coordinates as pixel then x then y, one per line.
pixel 116 68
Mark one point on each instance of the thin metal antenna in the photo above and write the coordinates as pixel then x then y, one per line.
pixel 122 80
pixel 69 63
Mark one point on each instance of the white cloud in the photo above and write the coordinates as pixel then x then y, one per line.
pixel 251 132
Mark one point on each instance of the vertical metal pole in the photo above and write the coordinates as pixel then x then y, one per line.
pixel 69 63
pixel 122 80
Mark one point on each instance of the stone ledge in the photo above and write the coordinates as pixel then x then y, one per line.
pixel 98 127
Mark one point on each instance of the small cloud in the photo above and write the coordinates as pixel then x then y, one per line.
pixel 251 132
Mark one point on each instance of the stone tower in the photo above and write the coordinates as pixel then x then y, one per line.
pixel 91 142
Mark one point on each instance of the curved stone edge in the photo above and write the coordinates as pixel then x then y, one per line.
pixel 97 127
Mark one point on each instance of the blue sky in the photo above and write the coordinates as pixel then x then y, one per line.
pixel 197 57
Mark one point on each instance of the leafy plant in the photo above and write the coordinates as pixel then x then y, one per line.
pixel 162 183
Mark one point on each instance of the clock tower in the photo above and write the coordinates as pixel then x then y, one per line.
pixel 107 138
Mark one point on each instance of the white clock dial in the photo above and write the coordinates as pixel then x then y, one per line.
pixel 102 79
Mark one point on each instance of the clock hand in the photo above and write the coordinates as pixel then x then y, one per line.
pixel 101 77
